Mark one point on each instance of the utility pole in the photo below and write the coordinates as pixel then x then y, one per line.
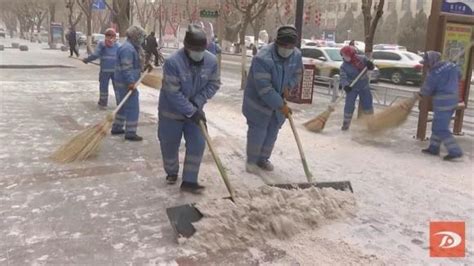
pixel 299 20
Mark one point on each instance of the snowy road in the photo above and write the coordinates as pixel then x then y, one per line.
pixel 110 210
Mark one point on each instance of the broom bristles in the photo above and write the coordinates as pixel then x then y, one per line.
pixel 152 80
pixel 318 123
pixel 84 144
pixel 391 117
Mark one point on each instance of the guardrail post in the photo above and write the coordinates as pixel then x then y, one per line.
pixel 335 87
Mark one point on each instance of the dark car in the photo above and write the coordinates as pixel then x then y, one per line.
pixel 2 33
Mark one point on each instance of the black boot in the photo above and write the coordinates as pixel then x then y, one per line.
pixel 134 137
pixel 171 179
pixel 194 188
pixel 117 131
pixel 451 157
pixel 430 152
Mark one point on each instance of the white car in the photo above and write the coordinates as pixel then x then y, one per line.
pixel 328 61
pixel 399 66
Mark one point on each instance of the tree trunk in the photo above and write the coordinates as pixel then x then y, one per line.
pixel 243 55
pixel 89 33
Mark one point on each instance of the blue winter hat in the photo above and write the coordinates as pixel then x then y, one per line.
pixel 430 58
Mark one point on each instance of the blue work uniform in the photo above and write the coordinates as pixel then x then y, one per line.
pixel 108 59
pixel 127 71
pixel 186 88
pixel 269 76
pixel 362 89
pixel 442 82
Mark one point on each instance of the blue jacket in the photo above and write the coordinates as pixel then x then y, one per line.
pixel 349 72
pixel 185 83
pixel 442 82
pixel 127 68
pixel 268 76
pixel 214 48
pixel 107 55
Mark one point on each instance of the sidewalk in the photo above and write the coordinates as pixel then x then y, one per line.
pixel 111 209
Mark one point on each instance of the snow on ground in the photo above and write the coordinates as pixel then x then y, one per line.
pixel 111 209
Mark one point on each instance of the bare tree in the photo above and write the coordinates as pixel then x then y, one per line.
pixel 120 11
pixel 250 10
pixel 73 16
pixel 370 22
pixel 145 11
pixel 9 17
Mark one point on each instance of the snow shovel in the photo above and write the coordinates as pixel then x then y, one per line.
pixel 338 185
pixel 181 217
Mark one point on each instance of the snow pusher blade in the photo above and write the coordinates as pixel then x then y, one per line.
pixel 340 185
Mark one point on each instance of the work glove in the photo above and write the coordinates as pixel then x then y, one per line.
pixel 198 116
pixel 285 110
pixel 370 65
pixel 347 89
pixel 131 86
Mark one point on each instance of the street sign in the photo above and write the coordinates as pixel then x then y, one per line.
pixel 461 7
pixel 98 5
pixel 208 13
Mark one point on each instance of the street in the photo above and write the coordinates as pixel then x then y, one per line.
pixel 110 209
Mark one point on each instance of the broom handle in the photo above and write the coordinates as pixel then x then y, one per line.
pixel 308 174
pixel 129 93
pixel 217 160
pixel 353 83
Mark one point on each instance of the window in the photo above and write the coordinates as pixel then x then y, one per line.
pixel 386 56
pixel 312 53
pixel 354 6
pixel 334 54
pixel 406 5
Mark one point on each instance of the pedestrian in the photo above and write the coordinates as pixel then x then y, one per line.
pixel 190 79
pixel 275 69
pixel 442 82
pixel 213 47
pixel 151 48
pixel 351 67
pixel 127 73
pixel 107 52
pixel 72 42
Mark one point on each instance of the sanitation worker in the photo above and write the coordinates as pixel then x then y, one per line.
pixel 107 52
pixel 351 67
pixel 442 82
pixel 276 68
pixel 127 73
pixel 190 79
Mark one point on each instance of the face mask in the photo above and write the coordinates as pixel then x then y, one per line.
pixel 284 52
pixel 346 58
pixel 196 56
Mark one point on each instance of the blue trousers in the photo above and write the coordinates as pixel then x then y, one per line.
pixel 261 139
pixel 127 115
pixel 104 78
pixel 365 98
pixel 440 133
pixel 170 132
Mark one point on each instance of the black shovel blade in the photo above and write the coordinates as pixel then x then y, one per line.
pixel 339 185
pixel 182 218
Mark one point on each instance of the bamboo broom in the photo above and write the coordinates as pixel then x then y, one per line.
pixel 318 123
pixel 87 142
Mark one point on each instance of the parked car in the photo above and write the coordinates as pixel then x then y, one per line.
pixel 249 42
pixel 97 37
pixel 399 66
pixel 389 47
pixel 308 42
pixel 81 38
pixel 328 61
pixel 2 33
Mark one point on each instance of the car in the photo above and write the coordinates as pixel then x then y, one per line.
pixel 389 47
pixel 249 42
pixel 97 37
pixel 399 67
pixel 308 42
pixel 328 61
pixel 81 38
pixel 2 33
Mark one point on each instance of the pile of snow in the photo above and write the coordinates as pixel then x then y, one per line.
pixel 264 214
